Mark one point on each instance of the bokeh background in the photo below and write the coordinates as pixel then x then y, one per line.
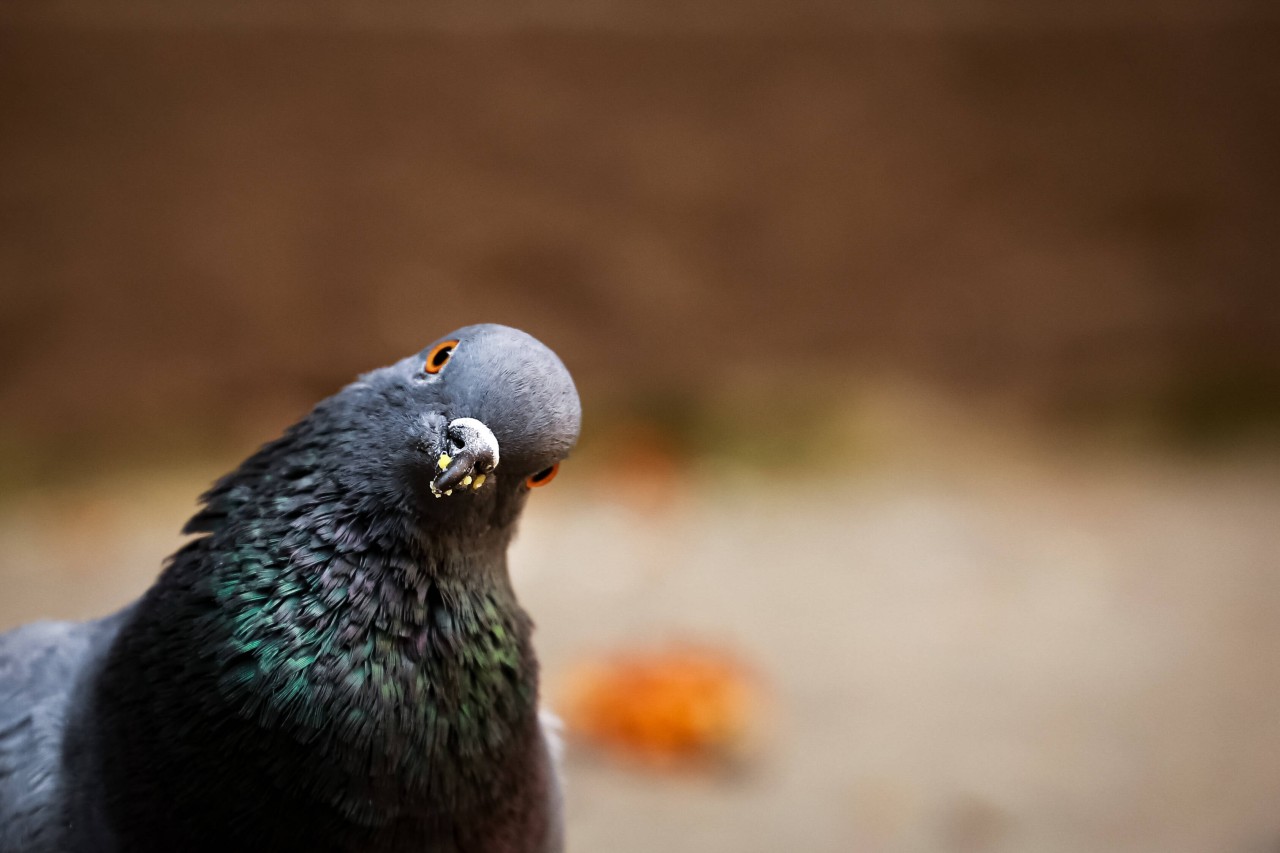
pixel 930 355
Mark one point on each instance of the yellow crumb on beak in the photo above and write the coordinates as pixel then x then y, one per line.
pixel 445 459
pixel 479 481
pixel 466 481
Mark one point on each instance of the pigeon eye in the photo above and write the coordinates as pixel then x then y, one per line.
pixel 546 475
pixel 439 356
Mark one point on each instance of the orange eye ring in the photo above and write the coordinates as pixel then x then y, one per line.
pixel 439 356
pixel 546 475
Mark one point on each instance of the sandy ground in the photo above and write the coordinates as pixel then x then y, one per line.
pixel 1020 658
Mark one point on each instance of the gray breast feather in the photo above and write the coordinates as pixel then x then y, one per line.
pixel 41 667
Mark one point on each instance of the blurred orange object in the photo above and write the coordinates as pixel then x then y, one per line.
pixel 681 705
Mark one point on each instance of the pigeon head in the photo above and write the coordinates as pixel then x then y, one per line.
pixel 441 447
pixel 485 409
pixel 495 399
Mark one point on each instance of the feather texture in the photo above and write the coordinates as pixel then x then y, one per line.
pixel 336 662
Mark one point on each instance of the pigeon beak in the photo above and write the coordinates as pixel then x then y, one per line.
pixel 471 455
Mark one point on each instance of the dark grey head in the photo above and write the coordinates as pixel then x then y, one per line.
pixel 497 384
pixel 469 424
pixel 496 403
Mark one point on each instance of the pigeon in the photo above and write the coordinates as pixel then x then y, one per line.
pixel 336 661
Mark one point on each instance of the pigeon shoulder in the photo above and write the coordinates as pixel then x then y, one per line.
pixel 41 665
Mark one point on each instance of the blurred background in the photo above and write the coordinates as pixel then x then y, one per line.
pixel 930 356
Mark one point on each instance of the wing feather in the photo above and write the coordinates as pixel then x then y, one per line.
pixel 40 664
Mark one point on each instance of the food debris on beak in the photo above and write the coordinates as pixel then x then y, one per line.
pixel 474 455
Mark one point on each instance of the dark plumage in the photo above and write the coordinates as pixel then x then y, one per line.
pixel 337 661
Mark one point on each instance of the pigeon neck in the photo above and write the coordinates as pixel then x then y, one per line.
pixel 355 669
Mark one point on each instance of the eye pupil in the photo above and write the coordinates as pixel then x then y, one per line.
pixel 441 356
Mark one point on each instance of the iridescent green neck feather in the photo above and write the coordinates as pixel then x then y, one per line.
pixel 370 667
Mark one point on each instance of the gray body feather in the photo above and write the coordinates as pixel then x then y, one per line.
pixel 42 667
pixel 47 802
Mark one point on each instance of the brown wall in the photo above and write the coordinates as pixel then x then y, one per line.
pixel 202 218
